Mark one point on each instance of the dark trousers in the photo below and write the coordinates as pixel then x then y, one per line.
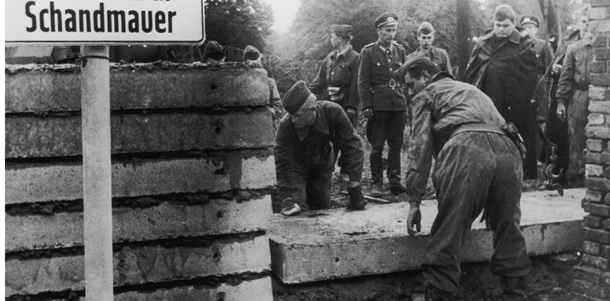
pixel 386 126
pixel 476 171
pixel 578 112
pixel 309 187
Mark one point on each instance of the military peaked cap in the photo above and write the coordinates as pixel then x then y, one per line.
pixel 386 19
pixel 529 19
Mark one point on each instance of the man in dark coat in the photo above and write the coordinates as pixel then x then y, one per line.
pixel 503 66
pixel 304 156
pixel 338 78
pixel 439 56
pixel 383 103
pixel 478 168
pixel 573 101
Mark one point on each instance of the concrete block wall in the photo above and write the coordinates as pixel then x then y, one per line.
pixel 592 276
pixel 192 177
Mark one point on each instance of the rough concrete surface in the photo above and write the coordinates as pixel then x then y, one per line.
pixel 129 89
pixel 29 183
pixel 134 133
pixel 338 243
pixel 141 264
pixel 166 220
pixel 258 289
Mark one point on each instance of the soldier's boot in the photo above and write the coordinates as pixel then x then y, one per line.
pixel 356 199
pixel 513 288
pixel 432 294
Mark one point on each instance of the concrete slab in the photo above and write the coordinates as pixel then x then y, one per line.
pixel 30 183
pixel 339 244
pixel 141 89
pixel 141 264
pixel 135 133
pixel 259 289
pixel 164 221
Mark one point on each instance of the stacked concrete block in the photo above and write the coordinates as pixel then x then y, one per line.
pixel 192 177
pixel 592 281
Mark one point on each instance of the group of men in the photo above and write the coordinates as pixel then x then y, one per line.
pixel 481 131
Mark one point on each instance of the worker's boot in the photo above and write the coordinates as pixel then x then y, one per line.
pixel 356 199
pixel 432 294
pixel 513 288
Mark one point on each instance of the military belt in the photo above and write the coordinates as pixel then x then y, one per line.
pixel 391 84
pixel 476 127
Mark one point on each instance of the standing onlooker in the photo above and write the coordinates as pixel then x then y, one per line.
pixel 573 100
pixel 503 66
pixel 383 102
pixel 252 55
pixel 439 56
pixel 338 78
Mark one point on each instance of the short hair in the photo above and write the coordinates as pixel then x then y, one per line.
pixel 425 28
pixel 417 68
pixel 503 12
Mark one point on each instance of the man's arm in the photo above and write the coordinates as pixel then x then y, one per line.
pixel 448 64
pixel 284 160
pixel 364 79
pixel 354 98
pixel 566 80
pixel 319 83
pixel 349 143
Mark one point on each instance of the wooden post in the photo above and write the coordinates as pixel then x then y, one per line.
pixel 97 185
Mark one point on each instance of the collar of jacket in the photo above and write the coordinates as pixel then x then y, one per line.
pixel 514 37
pixel 439 76
pixel 345 53
pixel 381 48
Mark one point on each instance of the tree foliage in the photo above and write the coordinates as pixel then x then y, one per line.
pixel 238 23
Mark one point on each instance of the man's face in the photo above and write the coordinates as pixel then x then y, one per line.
pixel 335 40
pixel 305 116
pixel 532 30
pixel 416 85
pixel 503 28
pixel 583 24
pixel 425 40
pixel 387 33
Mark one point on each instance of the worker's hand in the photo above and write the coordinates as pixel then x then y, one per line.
pixel 414 219
pixel 367 113
pixel 556 68
pixel 561 111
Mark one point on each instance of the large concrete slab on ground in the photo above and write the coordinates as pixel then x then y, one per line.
pixel 141 264
pixel 135 133
pixel 29 183
pixel 141 89
pixel 163 221
pixel 336 243
pixel 258 289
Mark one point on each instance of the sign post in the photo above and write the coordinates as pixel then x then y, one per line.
pixel 95 25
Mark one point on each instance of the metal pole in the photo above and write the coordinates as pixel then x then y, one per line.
pixel 97 190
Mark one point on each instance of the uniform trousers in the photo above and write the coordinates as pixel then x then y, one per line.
pixel 386 126
pixel 476 172
pixel 310 186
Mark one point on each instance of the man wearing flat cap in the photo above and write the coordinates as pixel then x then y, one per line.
pixel 478 169
pixel 383 102
pixel 337 78
pixel 304 155
pixel 503 66
pixel 213 53
pixel 253 56
pixel 439 56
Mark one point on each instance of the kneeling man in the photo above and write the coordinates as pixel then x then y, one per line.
pixel 304 156
pixel 478 169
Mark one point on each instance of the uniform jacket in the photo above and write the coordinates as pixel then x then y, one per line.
pixel 438 110
pixel 315 152
pixel 375 77
pixel 544 55
pixel 575 70
pixel 339 70
pixel 561 51
pixel 438 56
pixel 505 70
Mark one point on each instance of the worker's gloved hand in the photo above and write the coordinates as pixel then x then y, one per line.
pixel 356 199
pixel 352 114
pixel 414 219
pixel 367 113
pixel 561 111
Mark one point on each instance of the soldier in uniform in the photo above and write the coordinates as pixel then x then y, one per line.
pixel 544 59
pixel 383 102
pixel 478 169
pixel 503 66
pixel 337 78
pixel 573 101
pixel 425 36
pixel 304 156
pixel 253 56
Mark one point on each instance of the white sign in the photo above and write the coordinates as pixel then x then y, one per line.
pixel 104 22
